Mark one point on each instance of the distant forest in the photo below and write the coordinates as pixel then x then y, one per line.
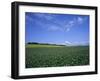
pixel 42 43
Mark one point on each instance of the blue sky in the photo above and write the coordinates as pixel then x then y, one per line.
pixel 57 28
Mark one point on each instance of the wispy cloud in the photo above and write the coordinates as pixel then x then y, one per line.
pixel 51 22
pixel 67 25
pixel 68 43
pixel 45 16
pixel 73 23
pixel 55 28
pixel 80 20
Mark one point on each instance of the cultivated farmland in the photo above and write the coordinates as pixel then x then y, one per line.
pixel 55 56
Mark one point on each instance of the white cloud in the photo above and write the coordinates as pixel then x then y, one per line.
pixel 66 26
pixel 52 24
pixel 68 43
pixel 54 28
pixel 69 25
pixel 72 23
pixel 78 43
pixel 80 20
pixel 45 16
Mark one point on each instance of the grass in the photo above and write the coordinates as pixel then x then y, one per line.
pixel 55 56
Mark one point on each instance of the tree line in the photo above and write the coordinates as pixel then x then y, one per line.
pixel 42 43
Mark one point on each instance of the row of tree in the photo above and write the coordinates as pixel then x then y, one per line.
pixel 42 43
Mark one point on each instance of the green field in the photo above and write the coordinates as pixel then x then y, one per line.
pixel 55 56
